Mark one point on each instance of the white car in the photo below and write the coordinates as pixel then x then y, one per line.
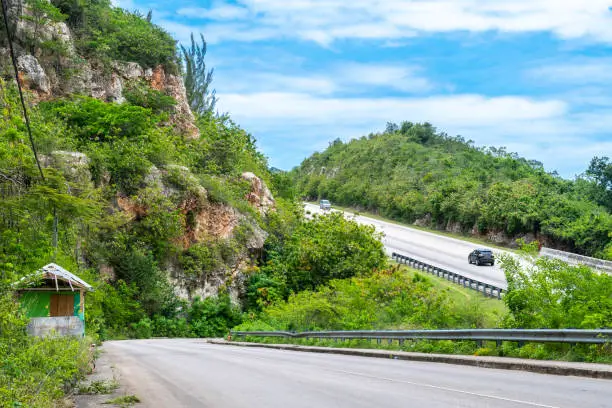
pixel 325 205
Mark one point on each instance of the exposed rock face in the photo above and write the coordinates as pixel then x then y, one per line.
pixel 23 28
pixel 454 227
pixel 74 165
pixel 424 221
pixel 205 222
pixel 173 86
pixel 35 77
pixel 129 70
pixel 114 89
pixel 92 80
pixel 260 196
pixel 39 74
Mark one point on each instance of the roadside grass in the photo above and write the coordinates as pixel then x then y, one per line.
pixel 490 310
pixel 124 401
pixel 99 387
pixel 463 237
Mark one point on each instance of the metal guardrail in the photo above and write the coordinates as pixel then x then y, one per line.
pixel 600 336
pixel 485 288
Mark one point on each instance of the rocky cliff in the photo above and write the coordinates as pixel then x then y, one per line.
pixel 51 67
pixel 65 72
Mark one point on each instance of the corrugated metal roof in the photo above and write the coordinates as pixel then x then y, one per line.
pixel 54 269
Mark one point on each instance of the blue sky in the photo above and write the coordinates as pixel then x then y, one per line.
pixel 532 75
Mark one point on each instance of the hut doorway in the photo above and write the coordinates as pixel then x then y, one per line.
pixel 61 305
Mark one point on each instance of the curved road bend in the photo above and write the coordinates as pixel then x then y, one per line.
pixel 444 252
pixel 191 373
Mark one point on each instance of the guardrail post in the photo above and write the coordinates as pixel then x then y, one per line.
pixel 378 340
pixel 486 289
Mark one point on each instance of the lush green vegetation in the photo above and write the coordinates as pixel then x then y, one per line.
pixel 109 34
pixel 125 145
pixel 412 172
pixel 34 372
pixel 550 295
pixel 325 248
pixel 555 295
pixel 390 298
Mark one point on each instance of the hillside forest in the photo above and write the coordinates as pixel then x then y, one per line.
pixel 414 173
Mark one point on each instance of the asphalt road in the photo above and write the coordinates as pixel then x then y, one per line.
pixel 438 250
pixel 192 373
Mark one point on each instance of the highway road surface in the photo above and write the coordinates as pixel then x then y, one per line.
pixel 443 252
pixel 191 373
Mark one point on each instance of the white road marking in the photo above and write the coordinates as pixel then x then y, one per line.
pixel 495 397
pixel 530 403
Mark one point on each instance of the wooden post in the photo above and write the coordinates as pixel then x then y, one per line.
pixel 82 302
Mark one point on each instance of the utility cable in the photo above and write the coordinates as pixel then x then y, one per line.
pixel 23 105
pixel 26 117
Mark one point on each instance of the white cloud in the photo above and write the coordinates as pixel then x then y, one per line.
pixel 348 78
pixel 293 124
pixel 220 12
pixel 401 77
pixel 265 81
pixel 458 110
pixel 583 71
pixel 330 20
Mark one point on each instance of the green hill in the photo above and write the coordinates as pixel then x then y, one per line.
pixel 414 173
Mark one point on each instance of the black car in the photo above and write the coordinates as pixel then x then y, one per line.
pixel 481 257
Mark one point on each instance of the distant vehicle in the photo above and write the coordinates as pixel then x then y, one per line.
pixel 481 257
pixel 325 205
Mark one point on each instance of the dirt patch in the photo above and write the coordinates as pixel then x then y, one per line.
pixel 102 388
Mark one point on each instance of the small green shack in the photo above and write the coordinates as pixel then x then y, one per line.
pixel 54 301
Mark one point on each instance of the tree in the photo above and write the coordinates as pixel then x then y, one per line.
pixel 391 127
pixel 41 14
pixel 202 99
pixel 600 173
pixel 552 294
pixel 327 247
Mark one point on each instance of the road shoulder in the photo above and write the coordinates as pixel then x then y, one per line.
pixel 103 385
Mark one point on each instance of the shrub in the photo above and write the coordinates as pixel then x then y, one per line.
pixel 553 294
pixel 108 33
pixel 328 247
pixel 35 372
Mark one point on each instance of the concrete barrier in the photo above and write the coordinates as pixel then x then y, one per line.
pixel 575 259
pixel 602 371
pixel 62 326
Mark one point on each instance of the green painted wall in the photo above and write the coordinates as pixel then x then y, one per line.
pixel 36 304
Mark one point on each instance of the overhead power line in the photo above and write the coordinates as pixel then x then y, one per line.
pixel 23 104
